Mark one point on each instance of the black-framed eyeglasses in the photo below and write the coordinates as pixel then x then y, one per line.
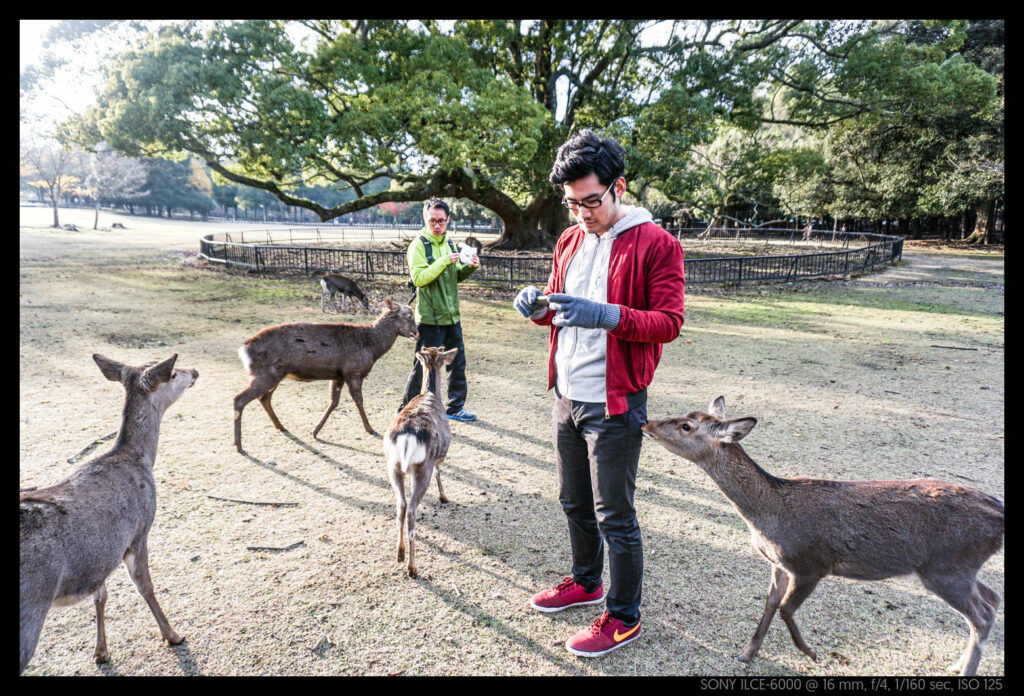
pixel 589 203
pixel 437 222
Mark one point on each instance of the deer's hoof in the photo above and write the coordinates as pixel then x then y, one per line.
pixel 175 639
pixel 412 573
pixel 743 658
pixel 443 499
pixel 102 657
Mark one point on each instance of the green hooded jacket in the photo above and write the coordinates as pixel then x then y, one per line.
pixel 437 296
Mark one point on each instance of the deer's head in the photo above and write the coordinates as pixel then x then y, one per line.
pixel 403 314
pixel 158 382
pixel 696 435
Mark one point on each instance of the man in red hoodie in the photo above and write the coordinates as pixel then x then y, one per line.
pixel 614 296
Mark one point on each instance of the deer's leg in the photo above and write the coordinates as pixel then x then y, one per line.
pixel 420 483
pixel 963 594
pixel 800 586
pixel 99 600
pixel 256 388
pixel 397 479
pixel 776 590
pixel 137 561
pixel 344 297
pixel 265 401
pixel 355 388
pixel 335 395
pixel 437 474
pixel 323 297
pixel 988 594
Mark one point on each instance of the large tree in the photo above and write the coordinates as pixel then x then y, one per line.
pixel 472 110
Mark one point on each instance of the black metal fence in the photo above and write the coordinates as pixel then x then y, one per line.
pixel 822 254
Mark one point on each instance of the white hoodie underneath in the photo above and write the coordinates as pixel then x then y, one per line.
pixel 580 355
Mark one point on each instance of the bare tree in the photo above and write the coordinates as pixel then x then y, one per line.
pixel 51 167
pixel 110 176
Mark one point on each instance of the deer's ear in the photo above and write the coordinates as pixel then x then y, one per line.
pixel 736 429
pixel 717 407
pixel 389 303
pixel 159 373
pixel 449 355
pixel 111 369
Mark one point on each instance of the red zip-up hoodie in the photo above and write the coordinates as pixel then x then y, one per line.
pixel 645 278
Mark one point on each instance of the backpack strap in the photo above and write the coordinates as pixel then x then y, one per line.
pixel 427 248
pixel 430 249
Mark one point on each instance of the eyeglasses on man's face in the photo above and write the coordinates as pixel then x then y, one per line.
pixel 434 222
pixel 590 202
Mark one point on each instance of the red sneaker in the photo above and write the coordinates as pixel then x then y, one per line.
pixel 603 636
pixel 564 595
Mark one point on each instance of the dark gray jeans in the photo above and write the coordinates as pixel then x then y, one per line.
pixel 597 460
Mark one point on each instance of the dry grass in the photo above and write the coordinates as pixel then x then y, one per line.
pixel 843 378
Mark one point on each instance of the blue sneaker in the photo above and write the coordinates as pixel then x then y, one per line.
pixel 462 415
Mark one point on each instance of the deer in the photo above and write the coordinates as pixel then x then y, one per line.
pixel 808 529
pixel 341 352
pixel 334 283
pixel 74 534
pixel 415 444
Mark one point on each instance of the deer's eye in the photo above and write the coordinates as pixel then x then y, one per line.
pixel 686 427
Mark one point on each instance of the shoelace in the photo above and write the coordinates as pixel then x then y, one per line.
pixel 566 582
pixel 600 623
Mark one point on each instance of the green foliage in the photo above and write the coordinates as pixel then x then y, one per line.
pixel 738 119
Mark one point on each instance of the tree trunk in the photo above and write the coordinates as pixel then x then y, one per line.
pixel 984 210
pixel 96 219
pixel 56 221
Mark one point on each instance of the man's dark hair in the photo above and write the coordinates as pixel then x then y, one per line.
pixel 584 153
pixel 437 203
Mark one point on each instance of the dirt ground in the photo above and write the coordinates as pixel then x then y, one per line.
pixel 898 374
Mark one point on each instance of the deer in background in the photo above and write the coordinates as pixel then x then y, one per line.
pixel 334 283
pixel 416 443
pixel 73 535
pixel 864 530
pixel 339 352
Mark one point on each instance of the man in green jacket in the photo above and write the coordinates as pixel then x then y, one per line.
pixel 436 272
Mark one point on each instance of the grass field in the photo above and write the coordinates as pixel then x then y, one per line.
pixel 898 374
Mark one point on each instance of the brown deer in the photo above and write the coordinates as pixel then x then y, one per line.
pixel 73 535
pixel 339 352
pixel 864 530
pixel 334 283
pixel 416 443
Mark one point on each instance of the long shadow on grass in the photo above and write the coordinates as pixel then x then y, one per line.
pixel 514 434
pixel 187 661
pixel 375 506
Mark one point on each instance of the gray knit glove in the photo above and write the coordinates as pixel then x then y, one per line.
pixel 584 313
pixel 526 303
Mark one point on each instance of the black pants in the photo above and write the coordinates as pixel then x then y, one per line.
pixel 597 460
pixel 449 336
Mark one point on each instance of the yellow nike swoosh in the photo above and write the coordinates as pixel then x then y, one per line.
pixel 620 637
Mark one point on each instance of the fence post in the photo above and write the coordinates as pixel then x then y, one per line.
pixel 305 259
pixel 369 265
pixel 510 262
pixel 739 278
